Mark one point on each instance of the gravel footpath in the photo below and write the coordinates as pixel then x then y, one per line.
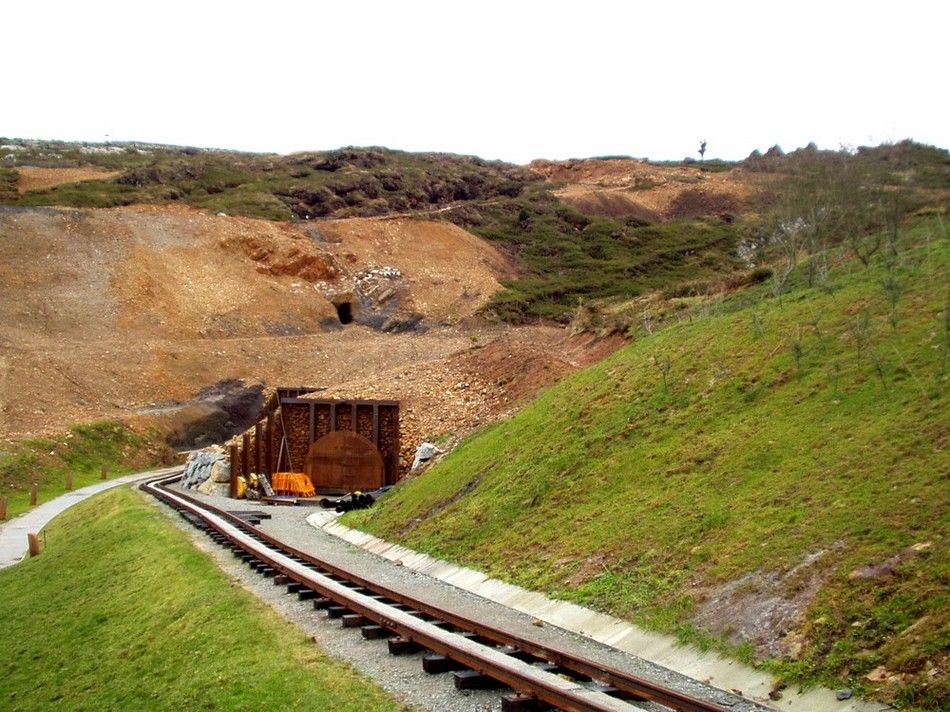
pixel 403 676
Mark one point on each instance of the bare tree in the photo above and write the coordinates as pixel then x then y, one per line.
pixel 702 150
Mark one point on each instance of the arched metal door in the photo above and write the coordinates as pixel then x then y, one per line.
pixel 344 461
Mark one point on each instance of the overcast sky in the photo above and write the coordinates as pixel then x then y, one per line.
pixel 510 80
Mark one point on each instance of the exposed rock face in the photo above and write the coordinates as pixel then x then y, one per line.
pixel 762 607
pixel 294 257
pixel 215 414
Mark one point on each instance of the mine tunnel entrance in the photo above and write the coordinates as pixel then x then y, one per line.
pixel 344 310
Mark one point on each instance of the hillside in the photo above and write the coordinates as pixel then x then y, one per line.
pixel 766 473
pixel 107 312
pixel 559 252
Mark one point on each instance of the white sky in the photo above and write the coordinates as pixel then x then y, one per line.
pixel 510 80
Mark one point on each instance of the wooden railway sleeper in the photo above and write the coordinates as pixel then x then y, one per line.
pixel 566 695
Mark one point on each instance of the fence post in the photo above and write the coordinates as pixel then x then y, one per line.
pixel 33 492
pixel 269 445
pixel 234 470
pixel 105 471
pixel 34 543
pixel 69 481
pixel 3 508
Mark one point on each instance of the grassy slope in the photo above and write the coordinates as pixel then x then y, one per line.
pixel 566 257
pixel 82 451
pixel 742 462
pixel 121 612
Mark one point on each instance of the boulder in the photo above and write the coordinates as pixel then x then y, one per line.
pixel 221 471
pixel 208 486
pixel 425 453
pixel 199 465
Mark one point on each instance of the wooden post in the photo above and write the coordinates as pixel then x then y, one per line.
pixel 3 508
pixel 269 445
pixel 234 470
pixel 69 481
pixel 246 453
pixel 258 450
pixel 33 492
pixel 105 471
pixel 34 543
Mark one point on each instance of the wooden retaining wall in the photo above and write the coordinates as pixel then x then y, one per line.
pixel 280 441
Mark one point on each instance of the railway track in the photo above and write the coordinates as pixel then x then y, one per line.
pixel 479 655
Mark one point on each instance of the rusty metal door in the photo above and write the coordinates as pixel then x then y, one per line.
pixel 344 461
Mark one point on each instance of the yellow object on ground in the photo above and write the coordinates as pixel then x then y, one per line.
pixel 295 484
pixel 241 487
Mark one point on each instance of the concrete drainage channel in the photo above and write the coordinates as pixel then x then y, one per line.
pixel 528 675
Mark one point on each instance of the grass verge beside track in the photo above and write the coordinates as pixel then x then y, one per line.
pixel 121 612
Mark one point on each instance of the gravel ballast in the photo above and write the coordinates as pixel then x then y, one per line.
pixel 403 675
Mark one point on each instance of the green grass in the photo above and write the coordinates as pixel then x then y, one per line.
pixel 342 183
pixel 121 612
pixel 83 450
pixel 8 191
pixel 813 421
pixel 566 257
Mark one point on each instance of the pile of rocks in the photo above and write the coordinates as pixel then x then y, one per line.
pixel 378 272
pixel 425 453
pixel 207 471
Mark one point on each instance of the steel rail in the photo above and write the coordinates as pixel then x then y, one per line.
pixel 517 674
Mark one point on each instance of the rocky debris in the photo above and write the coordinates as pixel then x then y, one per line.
pixel 844 694
pixel 424 454
pixel 208 465
pixel 383 300
pixel 451 396
pixel 378 272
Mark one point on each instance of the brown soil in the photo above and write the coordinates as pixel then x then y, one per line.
pixel 110 313
pixel 628 187
pixel 486 379
pixel 32 178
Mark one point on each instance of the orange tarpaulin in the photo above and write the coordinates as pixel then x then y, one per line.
pixel 295 484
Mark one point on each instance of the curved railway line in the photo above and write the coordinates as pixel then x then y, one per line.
pixel 480 655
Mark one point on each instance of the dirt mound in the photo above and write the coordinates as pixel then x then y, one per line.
pixel 628 187
pixel 451 273
pixel 444 398
pixel 32 178
pixel 607 172
pixel 612 203
pixel 131 312
pixel 692 203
